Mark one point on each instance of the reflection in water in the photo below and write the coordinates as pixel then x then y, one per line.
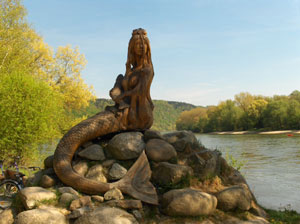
pixel 272 169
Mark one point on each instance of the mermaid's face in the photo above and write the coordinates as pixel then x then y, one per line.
pixel 138 47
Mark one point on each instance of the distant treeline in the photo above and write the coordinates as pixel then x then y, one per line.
pixel 245 112
pixel 165 112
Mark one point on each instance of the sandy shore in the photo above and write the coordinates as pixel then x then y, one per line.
pixel 293 132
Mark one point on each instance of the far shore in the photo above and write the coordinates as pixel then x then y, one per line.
pixel 288 132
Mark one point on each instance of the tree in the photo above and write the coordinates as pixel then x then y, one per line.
pixel 22 49
pixel 66 78
pixel 275 115
pixel 229 115
pixel 243 100
pixel 255 113
pixel 52 84
pixel 189 120
pixel 30 113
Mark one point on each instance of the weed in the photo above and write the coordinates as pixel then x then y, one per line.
pixel 235 163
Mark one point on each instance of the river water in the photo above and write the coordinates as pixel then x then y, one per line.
pixel 272 165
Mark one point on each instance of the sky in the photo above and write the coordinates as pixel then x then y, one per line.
pixel 203 51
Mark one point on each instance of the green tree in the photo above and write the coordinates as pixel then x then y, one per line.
pixel 275 115
pixel 229 115
pixel 30 113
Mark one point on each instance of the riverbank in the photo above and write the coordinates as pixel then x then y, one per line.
pixel 287 132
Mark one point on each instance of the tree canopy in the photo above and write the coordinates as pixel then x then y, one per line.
pixel 52 82
pixel 246 112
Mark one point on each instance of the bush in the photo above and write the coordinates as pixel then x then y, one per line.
pixel 30 113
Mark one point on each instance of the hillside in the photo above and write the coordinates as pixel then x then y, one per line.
pixel 165 112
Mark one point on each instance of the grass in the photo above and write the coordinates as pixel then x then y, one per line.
pixel 283 217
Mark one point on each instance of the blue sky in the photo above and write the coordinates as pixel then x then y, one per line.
pixel 203 51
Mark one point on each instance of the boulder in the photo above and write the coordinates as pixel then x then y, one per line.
pixel 181 139
pixel 169 174
pixel 41 216
pixel 78 212
pixel 108 163
pixel 48 162
pixel 81 202
pixel 104 215
pixel 70 190
pixel 116 172
pixel 66 198
pixel 128 145
pixel 30 196
pixel 138 215
pixel 96 173
pixel 93 152
pixel 81 167
pixel 188 202
pixel 7 216
pixel 97 198
pixel 35 179
pixel 47 181
pixel 236 197
pixel 125 204
pixel 152 134
pixel 159 150
pixel 206 164
pixel 113 194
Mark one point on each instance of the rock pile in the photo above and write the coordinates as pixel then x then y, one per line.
pixel 190 180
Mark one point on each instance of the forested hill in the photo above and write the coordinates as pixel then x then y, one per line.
pixel 165 112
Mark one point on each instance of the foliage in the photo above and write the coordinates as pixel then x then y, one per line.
pixel 286 216
pixel 165 112
pixel 235 163
pixel 52 84
pixel 29 115
pixel 247 112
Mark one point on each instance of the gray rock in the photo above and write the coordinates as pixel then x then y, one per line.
pixel 116 172
pixel 188 202
pixel 159 150
pixel 93 152
pixel 87 144
pixel 137 214
pixel 233 198
pixel 128 145
pixel 41 216
pixel 206 164
pixel 81 168
pixel 78 212
pixel 35 179
pixel 98 198
pixel 96 173
pixel 47 181
pixel 113 194
pixel 7 216
pixel 81 202
pixel 181 139
pixel 105 215
pixel 152 134
pixel 32 195
pixel 48 162
pixel 108 163
pixel 66 198
pixel 125 204
pixel 166 173
pixel 70 190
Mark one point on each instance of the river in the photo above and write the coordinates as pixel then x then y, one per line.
pixel 272 165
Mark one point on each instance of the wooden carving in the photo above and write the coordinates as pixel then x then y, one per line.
pixel 131 92
pixel 132 111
